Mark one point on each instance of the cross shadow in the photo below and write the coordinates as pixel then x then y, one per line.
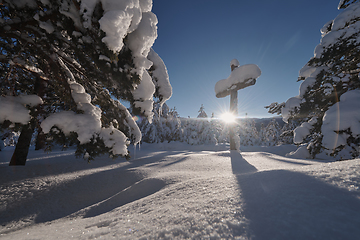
pixel 282 204
pixel 239 165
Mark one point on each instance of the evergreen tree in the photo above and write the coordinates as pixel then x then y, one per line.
pixel 262 134
pixel 275 108
pixel 73 58
pixel 173 113
pixel 345 3
pixel 8 138
pixel 272 133
pixel 221 131
pixel 198 131
pixel 207 135
pixel 191 130
pixel 249 135
pixel 202 113
pixel 330 79
pixel 164 127
pixel 287 132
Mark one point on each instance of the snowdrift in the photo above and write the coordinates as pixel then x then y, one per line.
pixel 177 191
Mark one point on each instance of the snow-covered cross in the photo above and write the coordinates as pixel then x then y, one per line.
pixel 240 77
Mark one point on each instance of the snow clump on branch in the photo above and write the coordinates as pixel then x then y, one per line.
pixel 13 108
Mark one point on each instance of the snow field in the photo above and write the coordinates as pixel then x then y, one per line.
pixel 177 191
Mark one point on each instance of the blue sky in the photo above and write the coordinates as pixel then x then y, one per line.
pixel 197 39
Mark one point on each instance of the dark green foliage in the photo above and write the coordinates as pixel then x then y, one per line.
pixel 336 64
pixel 35 61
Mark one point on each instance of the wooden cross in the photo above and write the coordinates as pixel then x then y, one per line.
pixel 232 91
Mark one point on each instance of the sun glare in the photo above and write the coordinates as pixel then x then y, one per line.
pixel 228 117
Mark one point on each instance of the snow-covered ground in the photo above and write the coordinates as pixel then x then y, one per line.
pixel 175 191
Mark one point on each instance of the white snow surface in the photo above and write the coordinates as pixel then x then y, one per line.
pixel 241 74
pixel 303 130
pixel 343 26
pixel 143 95
pixel 12 108
pixel 161 76
pixel 343 115
pixel 142 39
pixel 177 191
pixel 234 62
pixel 119 19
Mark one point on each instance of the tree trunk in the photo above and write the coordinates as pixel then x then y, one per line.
pixel 22 147
pixel 40 140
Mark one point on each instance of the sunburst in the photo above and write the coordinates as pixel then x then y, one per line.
pixel 228 117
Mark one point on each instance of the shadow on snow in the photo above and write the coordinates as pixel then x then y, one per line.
pixel 88 195
pixel 283 204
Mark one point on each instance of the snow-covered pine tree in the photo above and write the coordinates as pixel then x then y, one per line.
pixel 173 123
pixel 65 62
pixel 345 3
pixel 191 130
pixel 287 132
pixel 173 113
pixel 221 130
pixel 8 138
pixel 329 96
pixel 249 135
pixel 166 125
pixel 262 134
pixel 207 135
pixel 202 113
pixel 272 133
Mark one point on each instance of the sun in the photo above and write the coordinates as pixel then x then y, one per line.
pixel 228 117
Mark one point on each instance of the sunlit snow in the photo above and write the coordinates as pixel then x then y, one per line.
pixel 178 191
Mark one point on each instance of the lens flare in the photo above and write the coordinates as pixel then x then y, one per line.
pixel 228 117
pixel 136 118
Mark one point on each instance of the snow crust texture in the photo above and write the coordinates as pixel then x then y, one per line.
pixel 173 191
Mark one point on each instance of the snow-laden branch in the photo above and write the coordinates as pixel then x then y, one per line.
pixel 343 116
pixel 13 108
pixel 87 124
pixel 160 77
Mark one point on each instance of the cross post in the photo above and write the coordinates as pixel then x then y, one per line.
pixel 234 111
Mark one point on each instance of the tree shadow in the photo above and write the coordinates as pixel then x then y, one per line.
pixel 137 191
pixel 96 193
pixel 69 197
pixel 60 162
pixel 239 165
pixel 283 204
